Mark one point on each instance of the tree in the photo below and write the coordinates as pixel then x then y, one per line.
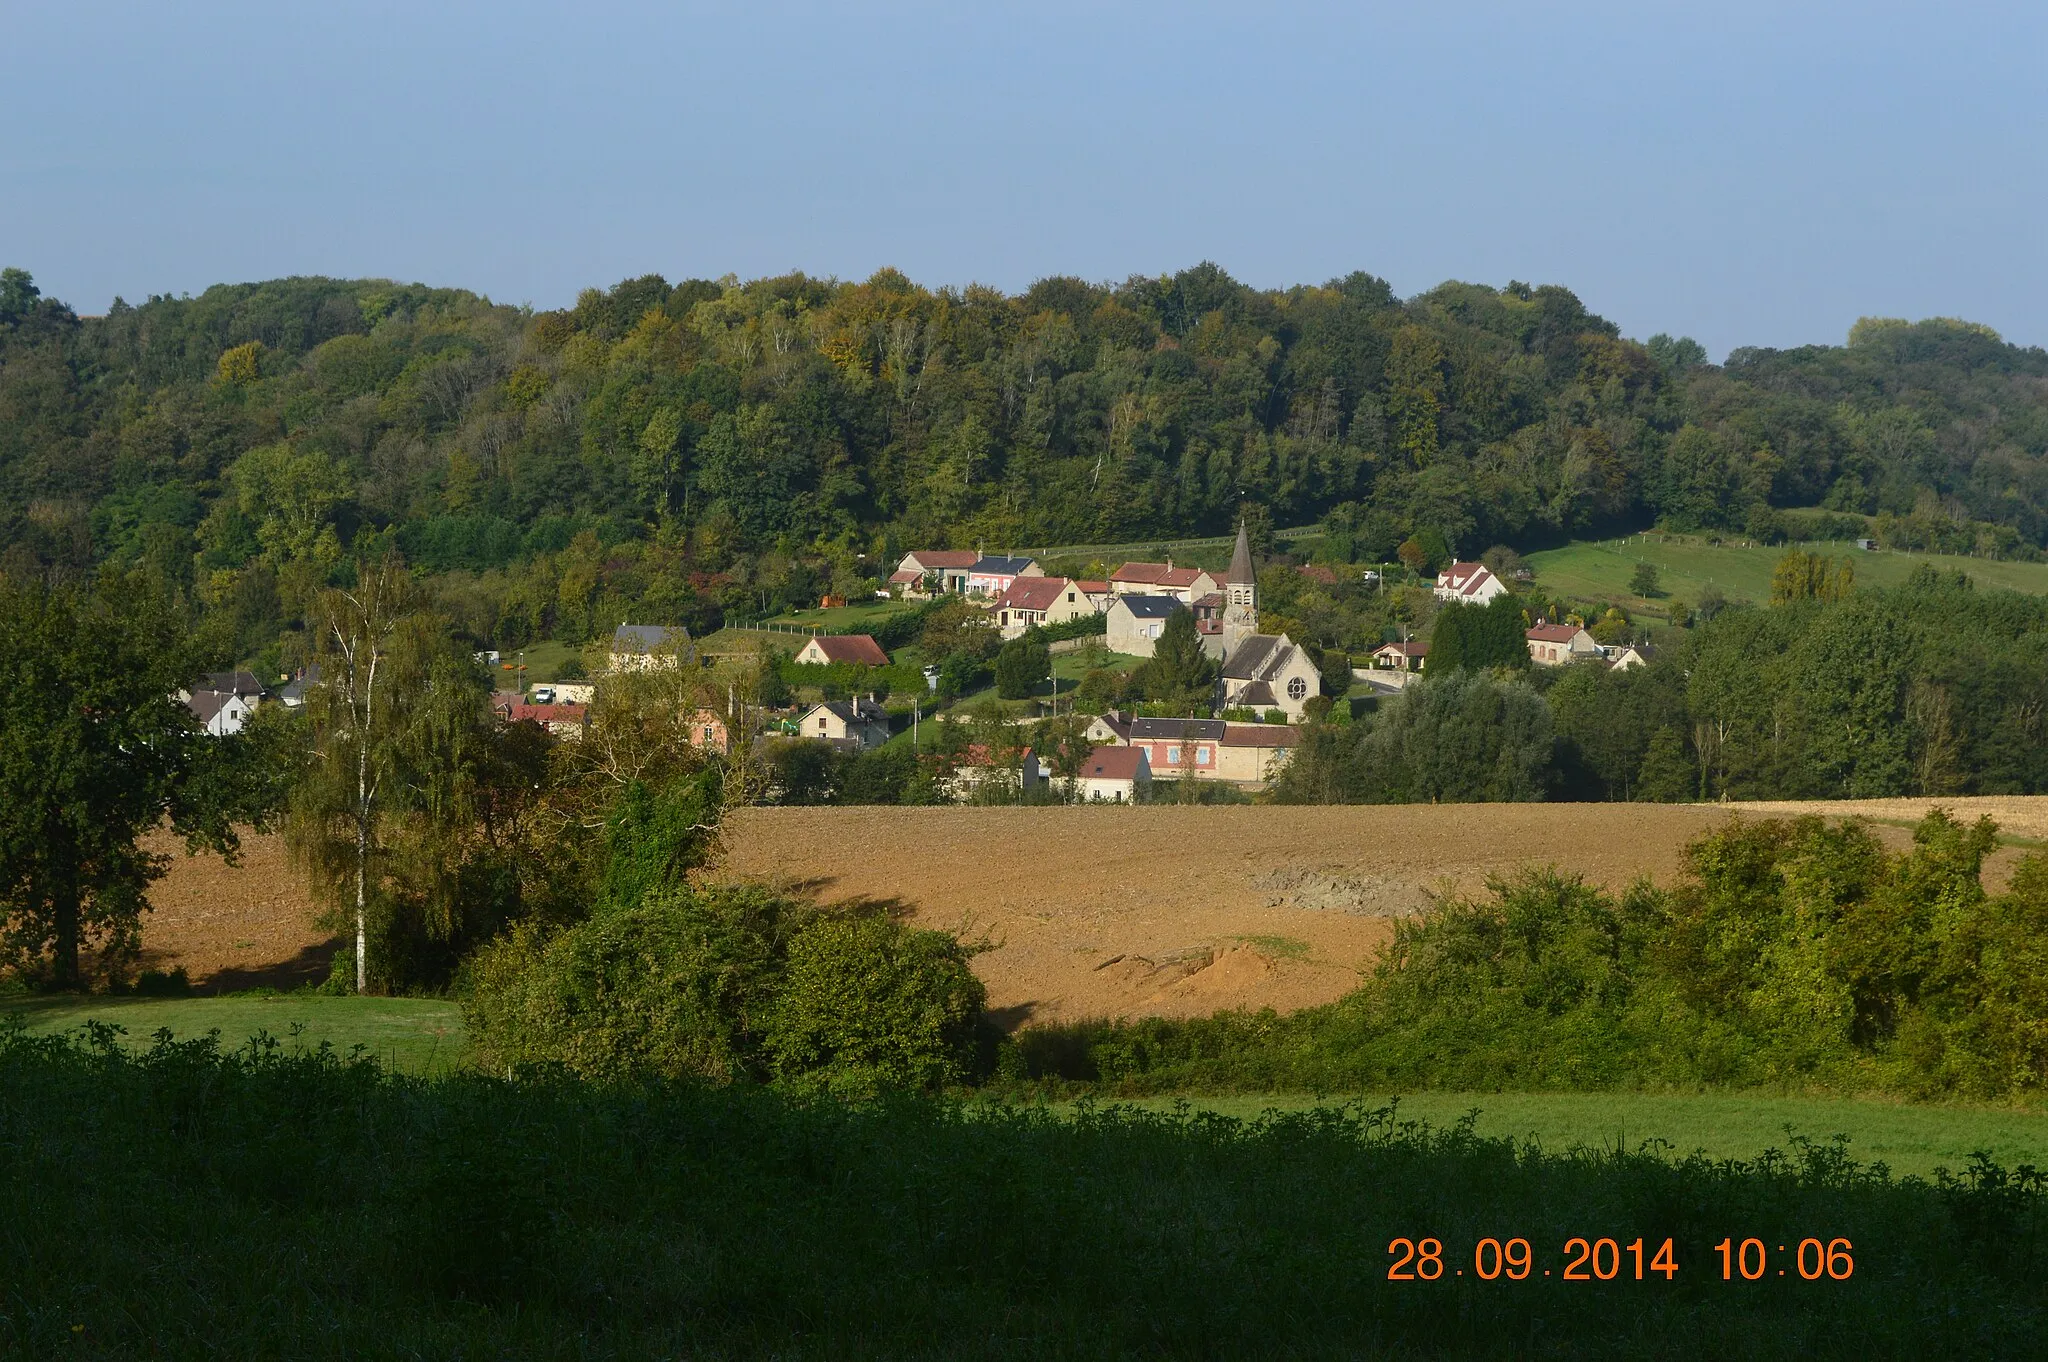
pixel 1180 676
pixel 1479 637
pixel 1023 665
pixel 397 730
pixel 95 751
pixel 1644 581
pixel 1801 576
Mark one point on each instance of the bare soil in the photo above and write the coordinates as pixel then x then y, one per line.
pixel 1095 912
pixel 248 925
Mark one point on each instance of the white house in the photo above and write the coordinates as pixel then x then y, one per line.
pixel 1041 601
pixel 933 571
pixel 1114 775
pixel 220 713
pixel 853 723
pixel 992 576
pixel 1184 584
pixel 1633 655
pixel 638 647
pixel 1134 623
pixel 1555 645
pixel 1469 583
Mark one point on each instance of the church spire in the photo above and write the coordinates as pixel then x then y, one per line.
pixel 1241 560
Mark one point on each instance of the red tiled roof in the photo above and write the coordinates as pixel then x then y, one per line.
pixel 906 575
pixel 546 714
pixel 1114 763
pixel 1416 648
pixel 1260 735
pixel 1156 574
pixel 946 558
pixel 860 648
pixel 1033 593
pixel 1464 578
pixel 1553 633
pixel 1093 588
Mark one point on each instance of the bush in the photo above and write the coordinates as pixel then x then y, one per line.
pixel 728 983
pixel 868 1005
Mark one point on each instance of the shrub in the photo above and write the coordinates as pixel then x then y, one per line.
pixel 869 1005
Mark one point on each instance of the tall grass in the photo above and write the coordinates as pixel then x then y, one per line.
pixel 186 1202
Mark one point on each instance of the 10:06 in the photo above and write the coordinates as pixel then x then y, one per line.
pixel 1751 1259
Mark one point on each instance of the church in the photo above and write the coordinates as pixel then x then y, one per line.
pixel 1260 671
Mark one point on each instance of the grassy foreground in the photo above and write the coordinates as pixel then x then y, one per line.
pixel 181 1203
pixel 407 1035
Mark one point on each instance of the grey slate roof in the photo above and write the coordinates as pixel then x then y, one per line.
pixel 1151 607
pixel 237 682
pixel 645 638
pixel 996 564
pixel 1257 656
pixel 857 711
pixel 1241 559
pixel 1176 730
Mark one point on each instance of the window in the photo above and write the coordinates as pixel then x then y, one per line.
pixel 707 733
pixel 821 724
pixel 1173 756
pixel 1297 688
pixel 1201 756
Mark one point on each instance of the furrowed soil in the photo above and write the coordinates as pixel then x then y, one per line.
pixel 1168 911
pixel 1100 911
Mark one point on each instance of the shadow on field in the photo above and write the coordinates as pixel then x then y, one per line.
pixel 310 966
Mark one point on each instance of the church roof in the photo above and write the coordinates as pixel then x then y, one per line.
pixel 1241 560
pixel 1258 657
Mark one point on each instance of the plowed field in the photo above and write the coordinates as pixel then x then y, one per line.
pixel 1093 911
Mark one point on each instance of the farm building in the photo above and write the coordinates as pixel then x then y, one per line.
pixel 638 647
pixel 825 649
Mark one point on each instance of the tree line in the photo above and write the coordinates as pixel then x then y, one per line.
pixel 711 448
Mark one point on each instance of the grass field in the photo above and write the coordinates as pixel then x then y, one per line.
pixel 543 662
pixel 1907 1139
pixel 407 1035
pixel 177 1204
pixel 1601 570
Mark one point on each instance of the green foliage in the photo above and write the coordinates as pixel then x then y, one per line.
pixel 1455 738
pixel 1179 678
pixel 95 751
pixel 725 983
pixel 470 1216
pixel 1480 637
pixel 1644 581
pixel 867 1005
pixel 1023 665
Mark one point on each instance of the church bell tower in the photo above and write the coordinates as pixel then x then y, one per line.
pixel 1240 594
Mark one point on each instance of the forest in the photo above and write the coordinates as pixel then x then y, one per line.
pixel 715 449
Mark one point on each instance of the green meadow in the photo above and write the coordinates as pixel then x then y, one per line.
pixel 404 1035
pixel 1600 570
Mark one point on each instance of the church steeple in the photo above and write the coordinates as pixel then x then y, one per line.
pixel 1240 592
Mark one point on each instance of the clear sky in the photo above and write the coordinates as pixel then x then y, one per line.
pixel 1747 173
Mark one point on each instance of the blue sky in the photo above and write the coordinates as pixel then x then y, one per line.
pixel 1744 173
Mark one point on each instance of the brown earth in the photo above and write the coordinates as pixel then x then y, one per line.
pixel 1099 911
pixel 232 927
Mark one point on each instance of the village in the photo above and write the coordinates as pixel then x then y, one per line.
pixel 1266 685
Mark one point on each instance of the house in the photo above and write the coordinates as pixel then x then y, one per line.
pixel 220 713
pixel 574 692
pixel 1208 612
pixel 708 733
pixel 223 701
pixel 1269 671
pixel 1469 584
pixel 1184 584
pixel 825 649
pixel 976 769
pixel 637 647
pixel 293 693
pixel 1114 775
pixel 1041 601
pixel 1178 748
pixel 992 576
pixel 1252 753
pixel 563 721
pixel 933 572
pixel 1555 645
pixel 1099 594
pixel 1404 656
pixel 1110 727
pixel 849 723
pixel 1135 621
pixel 1633 655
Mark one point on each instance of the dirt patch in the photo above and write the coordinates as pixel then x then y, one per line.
pixel 233 927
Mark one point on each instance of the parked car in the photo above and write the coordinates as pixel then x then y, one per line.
pixel 543 695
